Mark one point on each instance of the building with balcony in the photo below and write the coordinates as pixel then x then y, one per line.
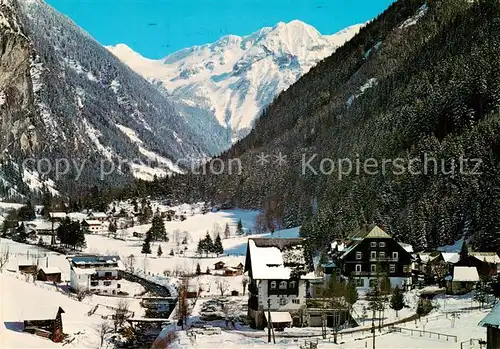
pixel 99 274
pixel 369 253
pixel 280 271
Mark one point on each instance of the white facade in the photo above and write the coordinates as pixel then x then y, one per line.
pixel 281 302
pixel 364 285
pixel 95 274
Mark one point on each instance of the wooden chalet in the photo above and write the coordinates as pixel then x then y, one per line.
pixel 49 274
pixel 492 324
pixel 219 265
pixel 45 323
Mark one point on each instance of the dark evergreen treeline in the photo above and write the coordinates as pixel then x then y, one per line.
pixel 437 92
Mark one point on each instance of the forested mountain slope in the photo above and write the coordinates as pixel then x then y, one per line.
pixel 422 79
pixel 64 96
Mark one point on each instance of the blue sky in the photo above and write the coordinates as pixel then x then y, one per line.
pixel 156 28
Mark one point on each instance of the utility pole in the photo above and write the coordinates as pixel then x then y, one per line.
pixel 269 320
pixel 373 329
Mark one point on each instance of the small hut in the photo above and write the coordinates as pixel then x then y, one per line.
pixel 219 265
pixel 51 274
pixel 492 324
pixel 45 323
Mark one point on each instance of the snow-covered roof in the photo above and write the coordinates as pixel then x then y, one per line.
pixel 57 214
pixel 51 270
pixel 40 312
pixel 84 271
pixel 279 316
pixel 98 215
pixel 40 225
pixel 493 317
pixel 276 258
pixel 407 247
pixel 337 245
pixel 267 263
pixel 488 257
pixel 465 274
pixel 93 222
pixel 450 257
pixel 77 216
pixel 103 261
pixel 427 257
pixel 455 247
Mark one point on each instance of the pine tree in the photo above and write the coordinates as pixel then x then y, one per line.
pixel 227 232
pixel 158 230
pixel 112 227
pixel 239 228
pixel 218 248
pixel 208 245
pixel 171 252
pixel 146 246
pixel 199 249
pixel 159 252
pixel 207 271
pixel 351 293
pixel 198 269
pixel 21 233
pixel 397 300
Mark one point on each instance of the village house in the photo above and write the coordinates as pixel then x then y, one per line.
pixel 219 265
pixel 462 280
pixel 100 216
pixel 51 274
pixel 370 252
pixel 40 227
pixel 93 273
pixel 278 270
pixel 492 324
pixel 57 216
pixel 44 321
pixel 94 226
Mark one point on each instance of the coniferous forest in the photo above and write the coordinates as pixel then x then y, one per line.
pixel 398 89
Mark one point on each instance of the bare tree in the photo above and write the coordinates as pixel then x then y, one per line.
pixel 182 302
pixel 120 314
pixel 176 236
pixel 4 258
pixel 244 283
pixel 222 286
pixel 103 330
pixel 130 263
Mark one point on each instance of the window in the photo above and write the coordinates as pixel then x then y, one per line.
pixel 293 284
pixel 358 255
pixel 360 282
pixel 273 285
pixel 296 301
pixel 118 286
pixel 94 283
pixel 373 283
pixel 107 283
pixel 395 255
pixel 392 268
pixel 283 285
pixel 373 268
pixel 381 254
pixel 405 269
pixel 107 274
pixel 373 244
pixel 358 268
pixel 381 244
pixel 373 255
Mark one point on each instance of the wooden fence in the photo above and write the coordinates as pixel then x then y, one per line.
pixel 422 333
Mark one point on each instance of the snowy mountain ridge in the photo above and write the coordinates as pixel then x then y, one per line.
pixel 223 86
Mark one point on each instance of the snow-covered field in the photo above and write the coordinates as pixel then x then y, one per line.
pixel 37 296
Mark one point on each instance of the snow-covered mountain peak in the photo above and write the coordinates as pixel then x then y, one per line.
pixel 223 86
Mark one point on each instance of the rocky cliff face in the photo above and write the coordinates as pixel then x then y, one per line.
pixel 64 96
pixel 16 93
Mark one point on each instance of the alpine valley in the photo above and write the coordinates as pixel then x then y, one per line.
pixel 222 87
